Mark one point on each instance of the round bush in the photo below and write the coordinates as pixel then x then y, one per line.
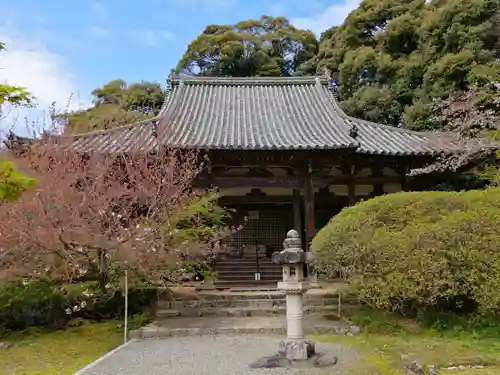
pixel 415 251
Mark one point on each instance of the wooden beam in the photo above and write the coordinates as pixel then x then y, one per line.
pixel 291 182
pixel 334 200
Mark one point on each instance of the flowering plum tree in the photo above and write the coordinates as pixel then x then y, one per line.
pixel 92 213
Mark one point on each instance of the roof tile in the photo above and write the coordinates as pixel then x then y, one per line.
pixel 278 113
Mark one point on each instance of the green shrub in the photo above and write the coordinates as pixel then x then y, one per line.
pixel 418 251
pixel 88 301
pixel 26 304
pixel 40 303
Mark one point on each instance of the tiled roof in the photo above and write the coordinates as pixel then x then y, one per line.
pixel 260 113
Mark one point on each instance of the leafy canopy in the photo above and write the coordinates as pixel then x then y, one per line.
pixel 14 95
pixel 117 103
pixel 12 181
pixel 265 47
pixel 393 59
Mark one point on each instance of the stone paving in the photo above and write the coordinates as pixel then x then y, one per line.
pixel 207 355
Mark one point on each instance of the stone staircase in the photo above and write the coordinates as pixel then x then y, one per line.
pixel 246 312
pixel 241 273
pixel 245 304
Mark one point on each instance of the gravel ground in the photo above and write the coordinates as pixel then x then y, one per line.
pixel 206 355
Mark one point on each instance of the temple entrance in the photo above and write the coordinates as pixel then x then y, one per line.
pixel 265 227
pixel 248 262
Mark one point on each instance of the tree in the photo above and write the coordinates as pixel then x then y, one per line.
pixel 393 59
pixel 12 181
pixel 473 119
pixel 265 47
pixel 92 214
pixel 14 95
pixel 117 103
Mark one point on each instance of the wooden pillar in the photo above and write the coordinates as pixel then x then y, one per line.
pixel 405 183
pixel 351 186
pixel 378 189
pixel 310 219
pixel 297 212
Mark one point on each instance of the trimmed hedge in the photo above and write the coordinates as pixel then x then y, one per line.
pixel 418 251
pixel 40 303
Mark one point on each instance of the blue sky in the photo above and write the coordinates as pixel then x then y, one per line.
pixel 63 49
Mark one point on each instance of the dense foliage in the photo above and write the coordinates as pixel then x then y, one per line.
pixel 265 47
pixel 41 303
pixel 116 103
pixel 393 59
pixel 417 251
pixel 12 181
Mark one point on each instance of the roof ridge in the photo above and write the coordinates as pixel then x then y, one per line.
pixel 293 80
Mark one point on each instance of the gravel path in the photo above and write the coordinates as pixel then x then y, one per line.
pixel 205 355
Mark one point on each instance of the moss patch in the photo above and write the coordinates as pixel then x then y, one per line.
pixel 59 352
pixel 387 342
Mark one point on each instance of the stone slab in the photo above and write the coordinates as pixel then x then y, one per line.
pixel 313 324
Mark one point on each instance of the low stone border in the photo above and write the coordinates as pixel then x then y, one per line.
pixel 152 331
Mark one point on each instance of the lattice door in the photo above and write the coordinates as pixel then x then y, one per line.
pixel 264 227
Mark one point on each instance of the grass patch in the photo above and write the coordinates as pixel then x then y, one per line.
pixel 495 370
pixel 36 352
pixel 388 341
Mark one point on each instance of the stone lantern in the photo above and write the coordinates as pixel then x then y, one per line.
pixel 294 351
pixel 294 260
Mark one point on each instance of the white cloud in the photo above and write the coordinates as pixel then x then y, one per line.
pixel 333 15
pixel 151 37
pixel 30 64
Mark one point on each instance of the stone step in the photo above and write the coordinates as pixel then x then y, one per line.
pixel 271 325
pixel 246 283
pixel 239 311
pixel 249 270
pixel 272 277
pixel 260 295
pixel 246 267
pixel 246 262
pixel 251 303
